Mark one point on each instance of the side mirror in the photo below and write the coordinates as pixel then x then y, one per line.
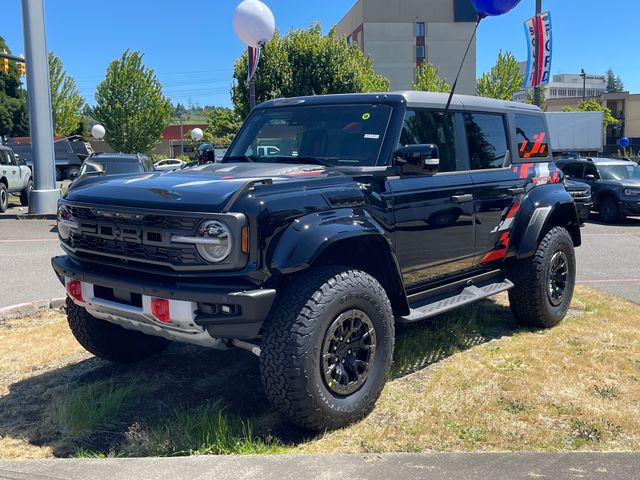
pixel 418 159
pixel 590 177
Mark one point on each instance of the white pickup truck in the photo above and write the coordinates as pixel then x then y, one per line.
pixel 15 178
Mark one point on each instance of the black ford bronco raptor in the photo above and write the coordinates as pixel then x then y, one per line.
pixel 373 209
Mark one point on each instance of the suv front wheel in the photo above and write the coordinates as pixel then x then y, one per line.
pixel 544 283
pixel 327 347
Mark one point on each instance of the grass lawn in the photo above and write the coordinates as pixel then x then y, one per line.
pixel 471 380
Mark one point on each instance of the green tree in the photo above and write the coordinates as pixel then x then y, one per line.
pixel 530 97
pixel 14 117
pixel 428 79
pixel 614 83
pixel 66 101
pixel 593 106
pixel 130 105
pixel 306 62
pixel 503 80
pixel 224 123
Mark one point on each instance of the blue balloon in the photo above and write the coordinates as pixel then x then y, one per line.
pixel 624 142
pixel 494 7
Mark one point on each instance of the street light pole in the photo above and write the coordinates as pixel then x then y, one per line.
pixel 537 100
pixel 584 85
pixel 44 197
pixel 252 93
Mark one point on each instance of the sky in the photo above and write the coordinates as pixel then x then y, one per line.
pixel 192 46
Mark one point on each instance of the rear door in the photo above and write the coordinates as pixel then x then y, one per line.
pixel 434 214
pixel 496 185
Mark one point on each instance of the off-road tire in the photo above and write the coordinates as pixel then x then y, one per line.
pixel 609 211
pixel 530 298
pixel 294 336
pixel 109 341
pixel 72 173
pixel 24 195
pixel 4 198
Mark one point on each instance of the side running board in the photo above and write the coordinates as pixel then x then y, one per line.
pixel 455 299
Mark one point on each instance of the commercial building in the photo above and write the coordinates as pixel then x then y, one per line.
pixel 625 107
pixel 399 35
pixel 568 85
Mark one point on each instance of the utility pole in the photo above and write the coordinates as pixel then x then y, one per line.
pixel 584 85
pixel 536 90
pixel 44 197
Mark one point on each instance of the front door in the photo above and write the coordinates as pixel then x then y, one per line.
pixel 10 170
pixel 434 233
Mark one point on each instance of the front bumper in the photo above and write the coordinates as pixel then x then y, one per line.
pixel 196 308
pixel 630 207
pixel 584 210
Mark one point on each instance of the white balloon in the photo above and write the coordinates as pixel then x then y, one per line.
pixel 254 23
pixel 98 132
pixel 196 134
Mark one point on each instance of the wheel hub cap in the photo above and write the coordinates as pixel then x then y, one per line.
pixel 558 278
pixel 348 352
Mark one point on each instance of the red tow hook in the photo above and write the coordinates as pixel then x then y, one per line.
pixel 160 309
pixel 74 290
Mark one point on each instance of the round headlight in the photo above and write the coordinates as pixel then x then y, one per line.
pixel 214 241
pixel 64 218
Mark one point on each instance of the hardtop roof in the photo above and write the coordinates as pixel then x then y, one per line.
pixel 410 97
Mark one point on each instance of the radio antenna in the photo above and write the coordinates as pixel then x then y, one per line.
pixel 453 88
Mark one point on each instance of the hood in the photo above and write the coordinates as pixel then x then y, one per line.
pixel 574 186
pixel 205 187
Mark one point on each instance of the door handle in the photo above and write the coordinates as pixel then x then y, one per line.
pixel 515 191
pixel 462 198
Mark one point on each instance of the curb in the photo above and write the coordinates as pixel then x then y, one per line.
pixel 22 310
pixel 36 216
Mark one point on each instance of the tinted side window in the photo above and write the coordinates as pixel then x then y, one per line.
pixel 428 126
pixel 4 158
pixel 487 140
pixel 532 136
pixel 574 170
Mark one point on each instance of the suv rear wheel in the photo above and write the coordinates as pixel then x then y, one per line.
pixel 544 283
pixel 24 195
pixel 110 341
pixel 327 347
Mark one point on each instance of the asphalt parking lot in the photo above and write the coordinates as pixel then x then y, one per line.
pixel 608 259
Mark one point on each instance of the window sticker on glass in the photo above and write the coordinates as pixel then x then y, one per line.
pixel 366 116
pixel 373 136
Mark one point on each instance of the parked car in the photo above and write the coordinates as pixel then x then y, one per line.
pixel 169 164
pixel 615 185
pixel 15 178
pixel 581 193
pixel 69 152
pixel 116 164
pixel 309 260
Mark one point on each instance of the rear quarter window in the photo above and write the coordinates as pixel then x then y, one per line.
pixel 533 139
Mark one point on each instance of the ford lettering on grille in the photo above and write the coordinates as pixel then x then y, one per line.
pixel 122 233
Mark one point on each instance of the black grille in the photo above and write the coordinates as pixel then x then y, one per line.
pixel 134 237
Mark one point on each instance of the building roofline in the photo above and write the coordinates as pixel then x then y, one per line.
pixel 349 11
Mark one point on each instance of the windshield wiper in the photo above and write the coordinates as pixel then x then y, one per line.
pixel 307 160
pixel 241 158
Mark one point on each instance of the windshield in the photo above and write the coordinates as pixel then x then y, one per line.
pixel 111 166
pixel 620 172
pixel 331 135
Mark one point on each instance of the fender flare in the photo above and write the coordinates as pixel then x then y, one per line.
pixel 307 237
pixel 557 209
